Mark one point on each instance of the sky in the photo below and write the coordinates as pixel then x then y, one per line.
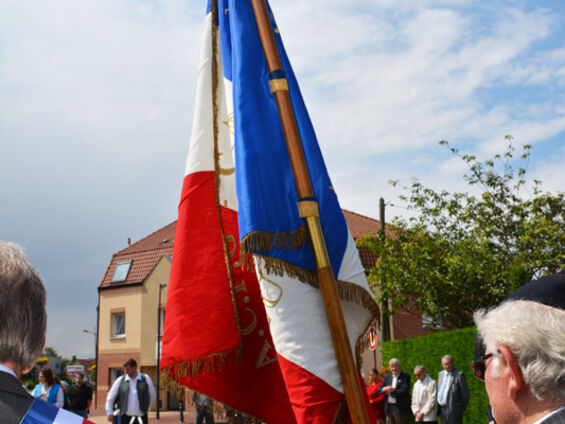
pixel 96 102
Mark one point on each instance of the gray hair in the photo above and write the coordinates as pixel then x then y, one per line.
pixel 449 357
pixel 419 367
pixel 22 308
pixel 535 335
pixel 394 361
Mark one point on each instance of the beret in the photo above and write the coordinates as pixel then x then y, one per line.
pixel 548 290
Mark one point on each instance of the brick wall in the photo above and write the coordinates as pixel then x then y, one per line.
pixel 107 361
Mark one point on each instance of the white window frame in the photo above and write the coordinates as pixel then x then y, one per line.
pixel 115 374
pixel 115 333
pixel 121 272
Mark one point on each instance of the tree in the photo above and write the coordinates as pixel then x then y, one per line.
pixel 49 351
pixel 460 252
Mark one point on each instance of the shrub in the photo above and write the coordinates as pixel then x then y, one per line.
pixel 427 351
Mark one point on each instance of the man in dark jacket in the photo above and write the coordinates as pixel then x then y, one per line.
pixel 523 353
pixel 396 386
pixel 22 331
pixel 452 392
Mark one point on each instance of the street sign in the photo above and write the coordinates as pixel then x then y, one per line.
pixel 74 370
pixel 373 338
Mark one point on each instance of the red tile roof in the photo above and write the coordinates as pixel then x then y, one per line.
pixel 361 225
pixel 144 255
pixel 146 252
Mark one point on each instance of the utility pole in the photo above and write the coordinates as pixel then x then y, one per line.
pixel 158 383
pixel 385 315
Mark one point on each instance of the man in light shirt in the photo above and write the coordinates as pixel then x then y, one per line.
pixel 453 393
pixel 424 405
pixel 134 392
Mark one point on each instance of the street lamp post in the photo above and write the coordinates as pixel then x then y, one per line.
pixel 95 348
pixel 161 287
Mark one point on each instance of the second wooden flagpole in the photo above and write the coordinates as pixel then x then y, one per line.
pixel 308 208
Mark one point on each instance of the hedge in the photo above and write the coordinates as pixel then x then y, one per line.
pixel 428 350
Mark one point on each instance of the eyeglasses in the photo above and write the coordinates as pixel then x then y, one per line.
pixel 479 366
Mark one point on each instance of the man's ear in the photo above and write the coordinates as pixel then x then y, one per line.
pixel 514 374
pixel 28 369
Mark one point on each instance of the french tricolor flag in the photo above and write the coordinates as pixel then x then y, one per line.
pixel 245 321
pixel 40 412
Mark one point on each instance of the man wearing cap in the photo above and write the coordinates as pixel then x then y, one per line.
pixel 523 365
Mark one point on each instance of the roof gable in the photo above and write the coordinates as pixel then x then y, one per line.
pixel 146 252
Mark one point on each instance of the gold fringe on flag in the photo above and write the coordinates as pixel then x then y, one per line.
pixel 346 291
pixel 263 241
pixel 362 343
pixel 215 84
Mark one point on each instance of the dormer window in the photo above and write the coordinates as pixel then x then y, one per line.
pixel 121 272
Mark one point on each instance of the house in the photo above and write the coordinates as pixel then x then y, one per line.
pixel 129 308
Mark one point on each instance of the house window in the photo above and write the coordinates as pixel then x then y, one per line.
pixel 121 272
pixel 115 373
pixel 431 323
pixel 119 325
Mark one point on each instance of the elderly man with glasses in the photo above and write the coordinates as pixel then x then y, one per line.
pixel 521 354
pixel 424 406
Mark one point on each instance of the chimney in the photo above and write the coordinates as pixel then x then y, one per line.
pixel 129 241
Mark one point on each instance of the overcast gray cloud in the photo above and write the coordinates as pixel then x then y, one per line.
pixel 96 102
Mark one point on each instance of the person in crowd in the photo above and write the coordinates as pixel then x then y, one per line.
pixel 48 389
pixel 453 392
pixel 424 394
pixel 376 399
pixel 523 355
pixel 204 408
pixel 396 387
pixel 134 392
pixel 22 333
pixel 80 397
pixel 22 336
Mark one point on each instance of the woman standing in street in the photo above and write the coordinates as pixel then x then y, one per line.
pixel 47 389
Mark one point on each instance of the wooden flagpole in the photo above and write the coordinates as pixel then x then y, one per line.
pixel 308 208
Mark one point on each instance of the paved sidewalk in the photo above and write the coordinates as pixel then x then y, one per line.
pixel 165 417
